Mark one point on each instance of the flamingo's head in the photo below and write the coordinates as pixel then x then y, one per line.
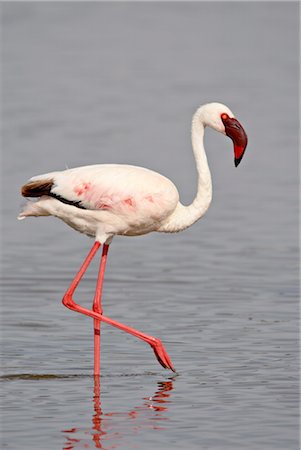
pixel 220 118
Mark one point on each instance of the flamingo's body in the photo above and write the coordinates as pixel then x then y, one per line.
pixel 111 199
pixel 105 200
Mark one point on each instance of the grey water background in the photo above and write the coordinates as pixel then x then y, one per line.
pixel 87 83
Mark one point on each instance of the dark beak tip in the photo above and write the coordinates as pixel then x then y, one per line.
pixel 237 161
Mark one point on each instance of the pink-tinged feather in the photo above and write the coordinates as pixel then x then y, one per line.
pixel 149 198
pixel 81 188
pixel 104 206
pixel 129 201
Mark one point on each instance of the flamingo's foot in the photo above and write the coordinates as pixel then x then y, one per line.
pixel 161 354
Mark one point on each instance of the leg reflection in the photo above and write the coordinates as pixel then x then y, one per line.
pixel 108 429
pixel 97 432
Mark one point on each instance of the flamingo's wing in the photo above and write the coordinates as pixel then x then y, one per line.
pixel 113 187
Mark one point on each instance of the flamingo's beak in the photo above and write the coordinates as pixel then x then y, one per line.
pixel 236 132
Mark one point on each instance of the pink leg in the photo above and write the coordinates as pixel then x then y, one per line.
pixel 97 307
pixel 68 301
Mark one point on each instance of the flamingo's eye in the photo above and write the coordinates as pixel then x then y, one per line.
pixel 224 116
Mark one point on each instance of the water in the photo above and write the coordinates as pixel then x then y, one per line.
pixel 99 82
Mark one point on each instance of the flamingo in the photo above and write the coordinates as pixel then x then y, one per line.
pixel 105 200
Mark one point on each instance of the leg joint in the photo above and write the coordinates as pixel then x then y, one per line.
pixel 68 300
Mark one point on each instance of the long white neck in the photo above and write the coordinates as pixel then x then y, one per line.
pixel 184 216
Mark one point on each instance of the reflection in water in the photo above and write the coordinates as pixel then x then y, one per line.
pixel 108 429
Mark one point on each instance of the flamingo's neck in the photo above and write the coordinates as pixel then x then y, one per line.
pixel 185 216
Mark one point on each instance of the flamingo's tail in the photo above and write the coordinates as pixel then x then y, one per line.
pixel 34 208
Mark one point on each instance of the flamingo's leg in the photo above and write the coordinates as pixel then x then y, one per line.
pixel 68 301
pixel 97 307
pixel 82 270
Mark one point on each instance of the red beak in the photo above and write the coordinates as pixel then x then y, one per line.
pixel 238 135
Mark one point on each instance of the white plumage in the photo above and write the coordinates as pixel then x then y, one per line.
pixel 118 199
